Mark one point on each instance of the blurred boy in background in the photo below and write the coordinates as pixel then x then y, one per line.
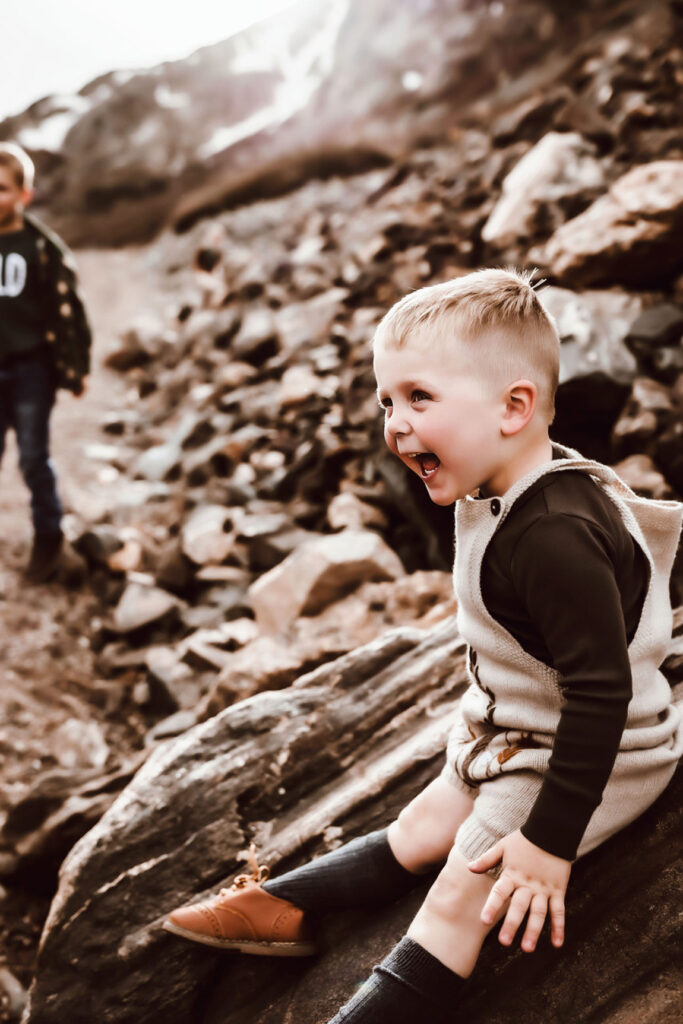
pixel 44 345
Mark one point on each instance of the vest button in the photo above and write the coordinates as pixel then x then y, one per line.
pixel 495 507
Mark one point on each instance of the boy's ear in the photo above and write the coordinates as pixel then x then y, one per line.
pixel 26 196
pixel 521 398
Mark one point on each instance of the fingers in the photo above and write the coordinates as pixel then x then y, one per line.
pixel 519 904
pixel 535 922
pixel 487 860
pixel 522 900
pixel 499 895
pixel 556 920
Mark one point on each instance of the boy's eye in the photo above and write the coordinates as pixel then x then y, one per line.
pixel 419 396
pixel 384 403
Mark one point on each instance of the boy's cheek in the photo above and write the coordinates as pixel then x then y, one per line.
pixel 389 441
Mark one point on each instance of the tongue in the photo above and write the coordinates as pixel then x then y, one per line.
pixel 429 462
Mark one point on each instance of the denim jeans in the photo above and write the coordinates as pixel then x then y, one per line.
pixel 27 394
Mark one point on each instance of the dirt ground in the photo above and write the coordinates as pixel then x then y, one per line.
pixel 46 663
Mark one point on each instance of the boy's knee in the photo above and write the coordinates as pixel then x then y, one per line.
pixel 421 830
pixel 424 831
pixel 458 892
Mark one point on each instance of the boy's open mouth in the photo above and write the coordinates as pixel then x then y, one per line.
pixel 429 463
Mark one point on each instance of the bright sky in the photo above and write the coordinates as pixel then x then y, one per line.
pixel 51 46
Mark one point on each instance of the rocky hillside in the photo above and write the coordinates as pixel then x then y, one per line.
pixel 275 611
pixel 322 89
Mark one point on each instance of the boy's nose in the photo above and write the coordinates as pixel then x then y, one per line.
pixel 398 425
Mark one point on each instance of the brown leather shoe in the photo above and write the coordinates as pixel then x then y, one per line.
pixel 247 919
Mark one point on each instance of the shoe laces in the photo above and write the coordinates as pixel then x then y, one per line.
pixel 258 874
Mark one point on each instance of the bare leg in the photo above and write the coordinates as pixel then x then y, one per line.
pixel 423 976
pixel 423 834
pixel 448 923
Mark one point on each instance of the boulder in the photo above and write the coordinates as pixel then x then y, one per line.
pixel 561 166
pixel 42 825
pixel 630 236
pixel 257 339
pixel 649 410
pixel 298 771
pixel 158 462
pixel 205 538
pixel 347 511
pixel 279 768
pixel 642 476
pixel 141 342
pixel 13 995
pixel 318 572
pixel 299 383
pixel 268 663
pixel 655 339
pixel 140 605
pixel 592 327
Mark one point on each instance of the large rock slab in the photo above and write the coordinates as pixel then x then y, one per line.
pixel 629 236
pixel 281 769
pixel 334 756
pixel 616 966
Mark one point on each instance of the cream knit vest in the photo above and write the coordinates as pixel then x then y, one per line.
pixel 510 712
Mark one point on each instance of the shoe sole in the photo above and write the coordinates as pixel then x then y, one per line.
pixel 252 946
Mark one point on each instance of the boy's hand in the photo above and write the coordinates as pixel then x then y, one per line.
pixel 532 880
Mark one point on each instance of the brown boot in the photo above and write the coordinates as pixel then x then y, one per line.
pixel 44 556
pixel 245 918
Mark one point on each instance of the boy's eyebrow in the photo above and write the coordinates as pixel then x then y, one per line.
pixel 407 384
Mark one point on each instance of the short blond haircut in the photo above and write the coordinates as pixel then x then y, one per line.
pixel 19 163
pixel 496 320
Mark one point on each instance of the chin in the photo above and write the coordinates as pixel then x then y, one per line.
pixel 443 499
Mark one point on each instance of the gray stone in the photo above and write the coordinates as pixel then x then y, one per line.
pixel 346 510
pixel 158 462
pixel 318 572
pixel 141 605
pixel 641 474
pixel 257 339
pixel 629 236
pixel 174 725
pixel 592 327
pixel 13 995
pixel 659 325
pixel 561 165
pixel 56 810
pixel 204 535
pixel 98 543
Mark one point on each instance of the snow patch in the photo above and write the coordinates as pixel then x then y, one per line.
pixel 50 134
pixel 302 72
pixel 165 97
pixel 411 80
pixel 122 76
pixel 144 133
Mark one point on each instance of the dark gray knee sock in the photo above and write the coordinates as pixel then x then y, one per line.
pixel 361 873
pixel 410 986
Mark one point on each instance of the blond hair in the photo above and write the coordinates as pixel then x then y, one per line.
pixel 496 320
pixel 19 163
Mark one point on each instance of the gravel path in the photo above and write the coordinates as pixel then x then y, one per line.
pixel 47 711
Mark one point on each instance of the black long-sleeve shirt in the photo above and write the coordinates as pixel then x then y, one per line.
pixel 564 576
